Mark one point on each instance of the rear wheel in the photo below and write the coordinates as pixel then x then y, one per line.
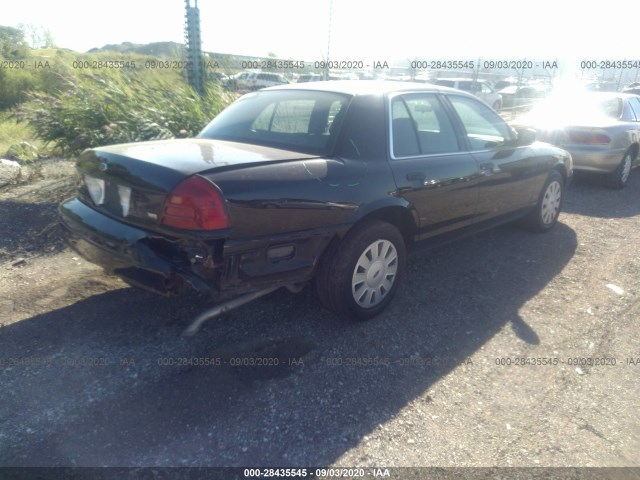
pixel 619 177
pixel 497 105
pixel 545 214
pixel 359 276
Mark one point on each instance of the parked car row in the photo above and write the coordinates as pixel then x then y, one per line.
pixel 254 80
pixel 327 183
pixel 509 96
pixel 480 88
pixel 524 96
pixel 258 80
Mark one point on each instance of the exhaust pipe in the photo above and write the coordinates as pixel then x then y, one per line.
pixel 223 308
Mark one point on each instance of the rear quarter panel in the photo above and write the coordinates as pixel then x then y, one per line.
pixel 303 195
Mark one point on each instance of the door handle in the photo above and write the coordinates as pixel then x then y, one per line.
pixel 487 169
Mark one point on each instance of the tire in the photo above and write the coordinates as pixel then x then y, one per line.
pixel 619 177
pixel 359 275
pixel 496 106
pixel 545 214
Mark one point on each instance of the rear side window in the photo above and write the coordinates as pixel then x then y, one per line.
pixel 305 121
pixel 611 107
pixel 420 126
pixel 634 105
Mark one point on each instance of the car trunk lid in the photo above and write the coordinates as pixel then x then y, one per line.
pixel 132 181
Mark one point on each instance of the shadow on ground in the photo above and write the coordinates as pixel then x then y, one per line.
pixel 589 197
pixel 109 381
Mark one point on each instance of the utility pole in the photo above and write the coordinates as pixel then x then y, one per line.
pixel 195 72
pixel 325 73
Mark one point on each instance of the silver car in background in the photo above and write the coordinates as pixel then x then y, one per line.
pixel 600 130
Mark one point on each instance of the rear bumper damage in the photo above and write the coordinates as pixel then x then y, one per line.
pixel 223 269
pixel 129 252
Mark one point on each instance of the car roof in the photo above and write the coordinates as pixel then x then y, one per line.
pixel 460 79
pixel 621 95
pixel 367 87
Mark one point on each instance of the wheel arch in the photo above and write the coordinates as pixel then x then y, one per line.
pixel 562 166
pixel 562 170
pixel 400 214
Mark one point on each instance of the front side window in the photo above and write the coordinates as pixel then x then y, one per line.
pixel 484 128
pixel 420 126
pixel 305 121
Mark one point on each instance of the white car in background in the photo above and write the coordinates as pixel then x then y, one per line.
pixel 480 88
pixel 257 80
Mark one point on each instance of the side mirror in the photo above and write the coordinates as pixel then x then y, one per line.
pixel 524 136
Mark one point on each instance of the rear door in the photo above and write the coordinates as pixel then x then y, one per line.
pixel 431 167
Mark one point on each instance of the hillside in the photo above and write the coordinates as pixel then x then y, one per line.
pixel 156 49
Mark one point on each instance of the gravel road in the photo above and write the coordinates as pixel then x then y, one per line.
pixel 503 349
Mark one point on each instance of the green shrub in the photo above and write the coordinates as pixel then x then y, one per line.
pixel 15 85
pixel 94 111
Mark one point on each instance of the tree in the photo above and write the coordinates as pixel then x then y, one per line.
pixel 12 43
pixel 48 40
pixel 37 36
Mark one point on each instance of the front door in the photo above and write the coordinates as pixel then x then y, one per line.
pixel 511 176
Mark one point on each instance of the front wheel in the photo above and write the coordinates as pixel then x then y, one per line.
pixel 359 276
pixel 618 178
pixel 545 214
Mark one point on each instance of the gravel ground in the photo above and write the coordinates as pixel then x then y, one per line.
pixel 487 357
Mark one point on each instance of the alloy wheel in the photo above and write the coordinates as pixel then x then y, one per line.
pixel 626 168
pixel 374 273
pixel 551 202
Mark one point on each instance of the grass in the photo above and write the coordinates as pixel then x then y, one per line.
pixel 79 101
pixel 14 132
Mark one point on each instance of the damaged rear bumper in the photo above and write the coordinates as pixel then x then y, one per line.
pixel 125 251
pixel 223 269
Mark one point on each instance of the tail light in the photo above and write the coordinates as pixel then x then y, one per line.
pixel 195 204
pixel 96 188
pixel 588 137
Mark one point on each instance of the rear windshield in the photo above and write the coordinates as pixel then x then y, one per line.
pixel 611 107
pixel 580 108
pixel 299 120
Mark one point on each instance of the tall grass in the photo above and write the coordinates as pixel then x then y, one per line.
pixel 102 110
pixel 12 132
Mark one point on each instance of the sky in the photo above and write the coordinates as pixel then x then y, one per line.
pixel 385 30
